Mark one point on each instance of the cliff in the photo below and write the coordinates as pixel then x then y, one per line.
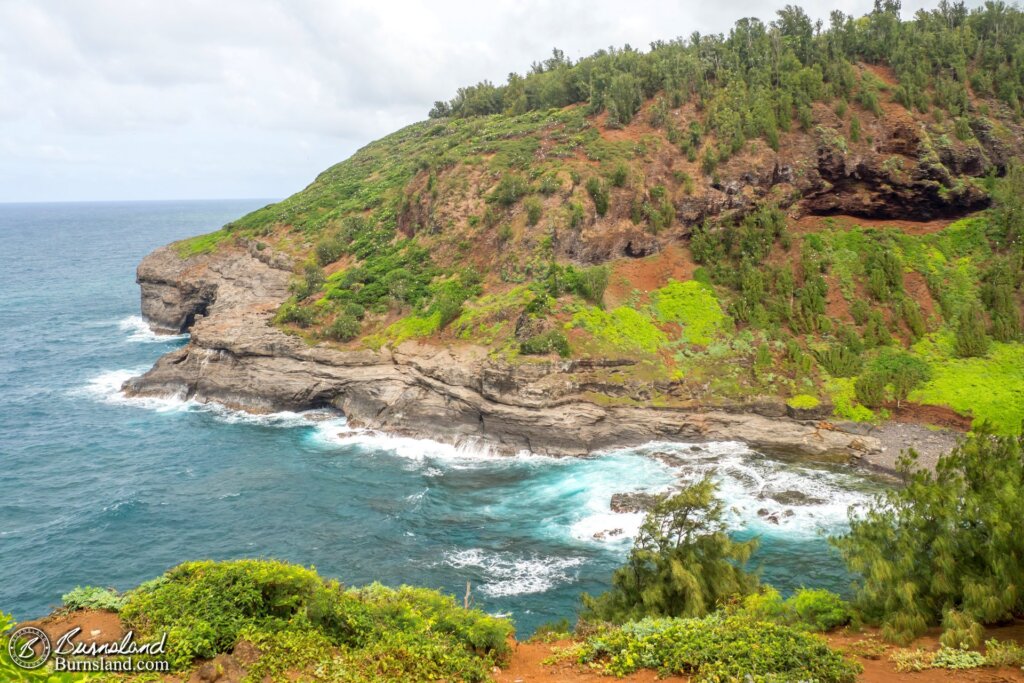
pixel 785 237
pixel 452 393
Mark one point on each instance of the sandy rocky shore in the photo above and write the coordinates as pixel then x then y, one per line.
pixel 453 393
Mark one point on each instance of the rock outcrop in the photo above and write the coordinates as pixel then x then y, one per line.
pixel 450 393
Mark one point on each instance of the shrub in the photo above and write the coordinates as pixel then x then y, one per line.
pixel 309 281
pixel 903 371
pixel 819 610
pixel 1000 653
pixel 683 562
pixel 971 340
pixel 547 342
pixel 599 193
pixel 870 389
pixel 807 609
pixel 534 210
pixel 92 597
pixel 549 184
pixel 839 361
pixel 935 550
pixel 509 190
pixel 297 618
pixel 576 214
pixel 291 312
pixel 912 317
pixel 344 328
pixel 718 648
pixel 803 402
pixel 620 175
pixel 589 283
pixel 329 249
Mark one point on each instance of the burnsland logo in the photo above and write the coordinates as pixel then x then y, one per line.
pixel 30 648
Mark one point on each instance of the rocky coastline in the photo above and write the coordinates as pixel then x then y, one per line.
pixel 454 394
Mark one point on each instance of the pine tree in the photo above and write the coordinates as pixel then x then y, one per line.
pixel 683 563
pixel 971 340
pixel 946 547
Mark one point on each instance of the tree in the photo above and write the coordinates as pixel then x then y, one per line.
pixel 870 389
pixel 971 340
pixel 946 548
pixel 1008 213
pixel 683 563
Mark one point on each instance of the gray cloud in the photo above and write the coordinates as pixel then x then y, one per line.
pixel 136 99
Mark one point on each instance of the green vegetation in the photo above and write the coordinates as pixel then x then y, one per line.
pixel 523 184
pixel 803 402
pixel 694 306
pixel 92 597
pixel 990 388
pixel 547 342
pixel 621 328
pixel 683 562
pixel 298 619
pixel 201 244
pixel 940 549
pixel 808 609
pixel 717 648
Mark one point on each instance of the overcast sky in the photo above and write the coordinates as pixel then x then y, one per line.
pixel 173 99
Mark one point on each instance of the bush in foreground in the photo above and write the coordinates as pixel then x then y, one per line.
pixel 718 648
pixel 809 609
pixel 946 548
pixel 300 621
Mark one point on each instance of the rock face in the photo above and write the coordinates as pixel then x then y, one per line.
pixel 455 394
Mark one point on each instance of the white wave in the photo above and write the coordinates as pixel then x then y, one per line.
pixel 139 331
pixel 508 574
pixel 469 453
pixel 763 494
pixel 106 388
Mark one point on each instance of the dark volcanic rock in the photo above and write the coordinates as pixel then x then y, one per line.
pixel 457 394
pixel 636 501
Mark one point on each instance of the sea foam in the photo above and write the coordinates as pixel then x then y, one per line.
pixel 505 573
pixel 139 331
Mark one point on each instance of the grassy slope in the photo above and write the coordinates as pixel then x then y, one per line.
pixel 474 212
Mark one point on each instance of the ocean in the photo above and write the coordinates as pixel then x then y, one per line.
pixel 98 489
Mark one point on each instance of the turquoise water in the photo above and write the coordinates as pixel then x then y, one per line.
pixel 97 489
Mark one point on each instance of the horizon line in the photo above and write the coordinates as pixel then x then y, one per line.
pixel 137 201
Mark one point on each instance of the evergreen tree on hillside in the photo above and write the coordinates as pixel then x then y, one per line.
pixel 971 339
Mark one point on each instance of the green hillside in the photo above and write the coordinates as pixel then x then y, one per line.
pixel 826 215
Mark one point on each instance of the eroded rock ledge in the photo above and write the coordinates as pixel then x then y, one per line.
pixel 453 394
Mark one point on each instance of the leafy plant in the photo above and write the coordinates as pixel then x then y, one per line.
pixel 717 648
pixel 546 342
pixel 92 597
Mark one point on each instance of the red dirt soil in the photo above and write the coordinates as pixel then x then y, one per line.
pixel 527 663
pixel 646 274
